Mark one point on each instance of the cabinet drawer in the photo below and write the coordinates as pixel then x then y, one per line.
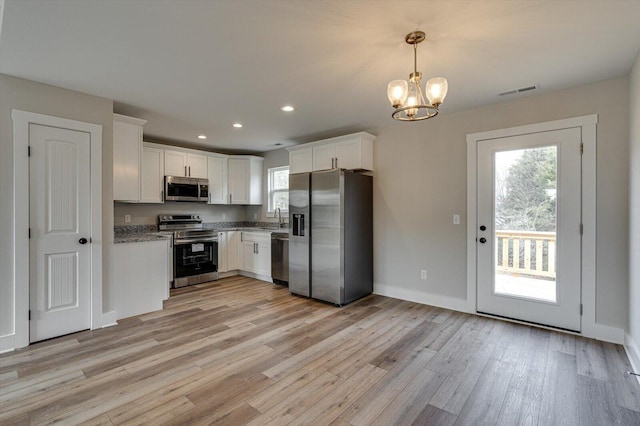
pixel 257 237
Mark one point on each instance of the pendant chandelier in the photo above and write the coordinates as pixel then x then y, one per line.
pixel 407 98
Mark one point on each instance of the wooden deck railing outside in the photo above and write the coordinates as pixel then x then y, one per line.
pixel 526 253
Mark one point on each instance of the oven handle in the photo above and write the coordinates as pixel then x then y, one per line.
pixel 194 240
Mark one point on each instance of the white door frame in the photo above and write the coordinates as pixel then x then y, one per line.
pixel 587 124
pixel 21 122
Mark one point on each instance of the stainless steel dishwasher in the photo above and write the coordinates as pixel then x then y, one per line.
pixel 280 257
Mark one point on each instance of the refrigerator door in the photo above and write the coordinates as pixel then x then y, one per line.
pixel 326 246
pixel 299 234
pixel 357 236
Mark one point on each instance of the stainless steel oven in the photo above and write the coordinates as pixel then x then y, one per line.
pixel 195 249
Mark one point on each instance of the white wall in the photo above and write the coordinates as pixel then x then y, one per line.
pixel 420 182
pixel 634 210
pixel 17 93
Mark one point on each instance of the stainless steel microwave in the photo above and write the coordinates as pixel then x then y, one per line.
pixel 179 188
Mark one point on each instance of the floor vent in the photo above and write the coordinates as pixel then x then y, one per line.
pixel 520 90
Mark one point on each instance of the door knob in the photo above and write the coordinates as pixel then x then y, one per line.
pixel 82 241
pixel 483 228
pixel 483 240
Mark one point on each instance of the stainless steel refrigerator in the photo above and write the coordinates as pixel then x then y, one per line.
pixel 331 235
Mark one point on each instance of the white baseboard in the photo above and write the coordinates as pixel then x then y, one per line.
pixel 233 273
pixel 420 297
pixel 256 276
pixel 633 353
pixel 601 332
pixel 7 343
pixel 605 333
pixel 109 319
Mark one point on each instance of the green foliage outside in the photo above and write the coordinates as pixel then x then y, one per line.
pixel 526 194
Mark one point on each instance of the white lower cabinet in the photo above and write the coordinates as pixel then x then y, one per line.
pixel 229 251
pixel 223 256
pixel 256 252
pixel 244 251
pixel 233 251
pixel 140 277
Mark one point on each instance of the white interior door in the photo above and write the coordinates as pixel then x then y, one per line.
pixel 528 236
pixel 60 225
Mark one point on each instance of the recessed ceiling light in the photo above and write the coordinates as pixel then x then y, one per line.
pixel 237 125
pixel 287 108
pixel 202 136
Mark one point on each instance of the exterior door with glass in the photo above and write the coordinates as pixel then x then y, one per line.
pixel 529 222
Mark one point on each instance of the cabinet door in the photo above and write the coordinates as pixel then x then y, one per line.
pixel 234 251
pixel 127 141
pixel 223 252
pixel 263 259
pixel 152 175
pixel 349 155
pixel 323 156
pixel 249 256
pixel 217 172
pixel 301 160
pixel 239 173
pixel 197 166
pixel 175 163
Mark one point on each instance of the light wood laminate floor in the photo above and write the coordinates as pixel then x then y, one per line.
pixel 240 351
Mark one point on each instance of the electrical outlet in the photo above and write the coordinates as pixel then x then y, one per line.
pixel 423 274
pixel 224 216
pixel 456 219
pixel 127 218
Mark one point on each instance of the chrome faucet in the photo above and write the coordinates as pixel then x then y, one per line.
pixel 280 223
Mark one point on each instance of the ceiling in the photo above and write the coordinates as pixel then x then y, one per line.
pixel 194 67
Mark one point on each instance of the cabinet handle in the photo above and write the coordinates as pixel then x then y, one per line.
pixel 336 162
pixel 162 195
pixel 241 236
pixel 230 199
pixel 185 170
pixel 189 171
pixel 209 198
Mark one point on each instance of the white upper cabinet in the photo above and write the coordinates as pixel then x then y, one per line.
pixel 184 163
pixel 217 172
pixel 301 160
pixel 175 163
pixel 351 152
pixel 127 149
pixel 152 174
pixel 197 165
pixel 245 179
pixel 324 157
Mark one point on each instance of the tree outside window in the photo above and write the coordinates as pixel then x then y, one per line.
pixel 278 189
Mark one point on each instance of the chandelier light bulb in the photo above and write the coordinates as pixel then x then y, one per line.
pixel 437 90
pixel 397 92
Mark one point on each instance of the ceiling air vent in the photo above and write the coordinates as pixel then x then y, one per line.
pixel 520 90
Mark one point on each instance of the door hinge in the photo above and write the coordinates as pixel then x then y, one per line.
pixel 581 148
pixel 581 309
pixel 581 229
pixel 28 151
pixel 29 314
